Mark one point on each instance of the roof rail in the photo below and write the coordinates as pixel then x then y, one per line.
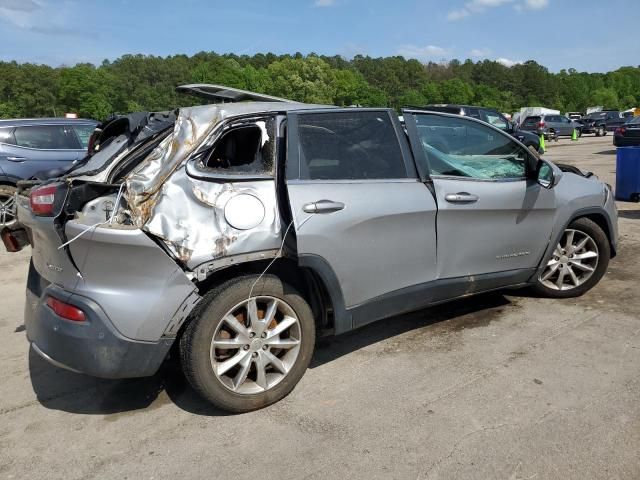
pixel 223 94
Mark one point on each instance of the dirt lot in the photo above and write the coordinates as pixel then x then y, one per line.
pixel 498 386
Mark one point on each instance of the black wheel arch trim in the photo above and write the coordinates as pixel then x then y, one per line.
pixel 583 212
pixel 343 321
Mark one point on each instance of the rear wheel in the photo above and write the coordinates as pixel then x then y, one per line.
pixel 248 346
pixel 578 262
pixel 7 205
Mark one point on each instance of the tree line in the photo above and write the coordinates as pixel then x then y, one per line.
pixel 146 83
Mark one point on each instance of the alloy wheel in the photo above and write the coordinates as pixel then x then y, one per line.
pixel 7 209
pixel 256 345
pixel 574 261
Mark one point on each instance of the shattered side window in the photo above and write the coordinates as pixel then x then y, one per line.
pixel 247 148
pixel 463 148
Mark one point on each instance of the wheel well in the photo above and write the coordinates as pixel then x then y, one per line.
pixel 601 221
pixel 305 280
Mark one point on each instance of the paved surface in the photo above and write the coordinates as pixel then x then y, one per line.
pixel 499 386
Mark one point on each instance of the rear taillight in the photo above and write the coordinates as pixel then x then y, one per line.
pixel 541 124
pixel 66 311
pixel 42 200
pixel 619 131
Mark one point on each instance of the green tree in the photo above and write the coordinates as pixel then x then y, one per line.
pixel 147 82
pixel 607 97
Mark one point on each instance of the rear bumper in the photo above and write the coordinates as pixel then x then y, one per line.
pixel 625 141
pixel 93 347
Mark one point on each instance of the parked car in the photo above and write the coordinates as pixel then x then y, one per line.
pixel 628 134
pixel 240 232
pixel 594 123
pixel 492 117
pixel 551 126
pixel 31 146
pixel 599 123
pixel 574 116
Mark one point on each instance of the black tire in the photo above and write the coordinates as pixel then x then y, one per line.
pixel 195 342
pixel 601 132
pixel 6 217
pixel 604 251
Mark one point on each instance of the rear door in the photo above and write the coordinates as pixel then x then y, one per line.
pixel 566 125
pixel 492 220
pixel 551 122
pixel 39 148
pixel 357 201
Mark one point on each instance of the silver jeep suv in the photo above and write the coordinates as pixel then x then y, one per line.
pixel 239 232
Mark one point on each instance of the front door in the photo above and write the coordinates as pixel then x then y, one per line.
pixel 491 217
pixel 358 204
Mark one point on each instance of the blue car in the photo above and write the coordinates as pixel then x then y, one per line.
pixel 43 147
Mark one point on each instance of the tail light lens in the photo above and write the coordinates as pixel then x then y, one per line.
pixel 42 200
pixel 541 124
pixel 66 311
pixel 619 131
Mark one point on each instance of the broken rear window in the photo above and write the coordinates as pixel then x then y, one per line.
pixel 246 148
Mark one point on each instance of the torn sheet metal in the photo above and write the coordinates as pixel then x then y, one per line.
pixel 193 126
pixel 189 215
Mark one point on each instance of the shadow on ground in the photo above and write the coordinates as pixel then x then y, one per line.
pixel 607 152
pixel 631 214
pixel 67 391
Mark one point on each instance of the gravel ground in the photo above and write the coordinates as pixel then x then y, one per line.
pixel 497 386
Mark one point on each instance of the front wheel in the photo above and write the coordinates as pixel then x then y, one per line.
pixel 248 344
pixel 578 262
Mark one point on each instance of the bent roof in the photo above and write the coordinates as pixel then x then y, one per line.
pixel 247 108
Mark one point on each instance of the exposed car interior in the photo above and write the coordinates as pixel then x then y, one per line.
pixel 241 150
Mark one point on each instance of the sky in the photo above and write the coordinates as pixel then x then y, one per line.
pixel 588 35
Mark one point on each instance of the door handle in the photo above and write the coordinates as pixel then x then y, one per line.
pixel 461 197
pixel 322 206
pixel 16 159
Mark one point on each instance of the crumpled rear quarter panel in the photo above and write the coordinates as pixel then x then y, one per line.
pixel 133 280
pixel 189 215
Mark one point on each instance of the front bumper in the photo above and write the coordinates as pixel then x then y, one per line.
pixel 93 347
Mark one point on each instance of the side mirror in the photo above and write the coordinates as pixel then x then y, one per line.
pixel 547 174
